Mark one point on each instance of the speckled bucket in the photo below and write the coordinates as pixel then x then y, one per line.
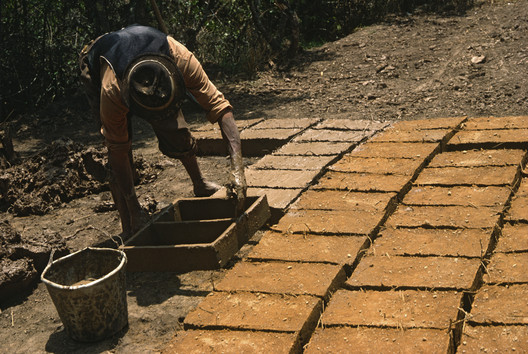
pixel 88 289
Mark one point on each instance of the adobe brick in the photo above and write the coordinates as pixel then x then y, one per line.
pixel 482 176
pixel 458 195
pixel 485 123
pixel 507 268
pixel 351 124
pixel 395 309
pixel 432 242
pixel 494 137
pixel 254 311
pixel 493 339
pixel 444 216
pixel 241 124
pixel 351 136
pixel 279 178
pixel 395 150
pixel 308 248
pixel 276 134
pixel 357 222
pixel 513 238
pixel 286 123
pixel 496 304
pixel 421 272
pixel 314 148
pixel 424 124
pixel 406 167
pixel 283 278
pixel 523 188
pixel 223 341
pixel 519 209
pixel 343 200
pixel 411 136
pixel 278 198
pixel 281 162
pixel 382 340
pixel 478 158
pixel 364 182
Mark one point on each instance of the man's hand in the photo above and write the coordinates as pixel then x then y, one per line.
pixel 237 187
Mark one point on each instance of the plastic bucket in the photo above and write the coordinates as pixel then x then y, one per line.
pixel 88 289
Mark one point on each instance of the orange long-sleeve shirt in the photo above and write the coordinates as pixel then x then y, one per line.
pixel 113 111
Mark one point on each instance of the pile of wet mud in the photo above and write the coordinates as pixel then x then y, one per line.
pixel 62 171
pixel 23 259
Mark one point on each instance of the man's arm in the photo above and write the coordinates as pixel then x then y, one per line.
pixel 231 136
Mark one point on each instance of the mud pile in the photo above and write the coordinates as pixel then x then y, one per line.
pixel 63 171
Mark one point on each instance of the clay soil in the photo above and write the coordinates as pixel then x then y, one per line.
pixel 55 198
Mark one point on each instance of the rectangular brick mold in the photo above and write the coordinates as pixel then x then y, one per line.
pixel 194 233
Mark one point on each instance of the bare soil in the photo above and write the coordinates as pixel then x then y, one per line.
pixel 55 199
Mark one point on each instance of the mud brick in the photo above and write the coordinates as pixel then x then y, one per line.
pixel 496 304
pixel 396 309
pixel 406 167
pixel 395 135
pixel 481 176
pixel 350 136
pixel 363 182
pixel 287 123
pixel 478 158
pixel 241 124
pixel 493 339
pixel 290 278
pixel 255 311
pixel 444 216
pixel 227 341
pixel 351 124
pixel 382 340
pixel 507 268
pixel 343 200
pixel 457 195
pixel 278 198
pixel 523 188
pixel 513 238
pixel 424 124
pixel 279 178
pixel 519 209
pixel 314 148
pixel 432 242
pixel 277 134
pixel 330 222
pixel 421 272
pixel 395 150
pixel 485 123
pixel 281 162
pixel 259 142
pixel 497 137
pixel 308 248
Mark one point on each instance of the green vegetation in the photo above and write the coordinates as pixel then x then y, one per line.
pixel 41 39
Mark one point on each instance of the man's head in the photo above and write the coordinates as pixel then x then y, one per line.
pixel 153 87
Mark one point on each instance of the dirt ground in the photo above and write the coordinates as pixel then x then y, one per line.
pixel 55 198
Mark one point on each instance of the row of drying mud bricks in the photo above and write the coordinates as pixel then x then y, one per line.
pixel 414 241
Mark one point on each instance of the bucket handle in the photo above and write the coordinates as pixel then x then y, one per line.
pixel 117 243
pixel 52 253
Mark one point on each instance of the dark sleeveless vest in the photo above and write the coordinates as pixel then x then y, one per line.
pixel 119 48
